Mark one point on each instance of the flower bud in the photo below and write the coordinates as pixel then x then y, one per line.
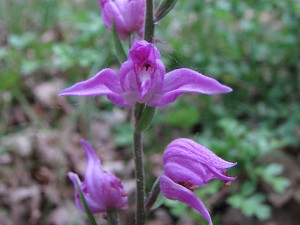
pixel 187 166
pixel 102 190
pixel 128 15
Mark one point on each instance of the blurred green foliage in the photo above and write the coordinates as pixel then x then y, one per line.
pixel 251 46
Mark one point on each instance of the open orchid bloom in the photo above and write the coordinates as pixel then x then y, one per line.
pixel 102 190
pixel 128 15
pixel 187 166
pixel 142 79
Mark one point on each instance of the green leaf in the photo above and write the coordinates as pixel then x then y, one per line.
pixel 273 169
pixel 146 118
pixel 251 206
pixel 86 207
pixel 118 45
pixel 159 201
pixel 164 8
pixel 280 184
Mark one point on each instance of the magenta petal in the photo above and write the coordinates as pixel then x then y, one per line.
pixel 181 173
pixel 106 82
pixel 182 148
pixel 103 187
pixel 177 192
pixel 111 11
pixel 94 207
pixel 93 175
pixel 180 81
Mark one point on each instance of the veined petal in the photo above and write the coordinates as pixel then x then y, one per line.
pixel 186 148
pixel 220 174
pixel 106 82
pixel 93 175
pixel 111 11
pixel 133 12
pixel 141 76
pixel 113 194
pixel 103 190
pixel 182 173
pixel 94 207
pixel 175 191
pixel 180 81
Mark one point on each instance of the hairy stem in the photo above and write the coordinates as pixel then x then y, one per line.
pixel 140 179
pixel 137 134
pixel 139 166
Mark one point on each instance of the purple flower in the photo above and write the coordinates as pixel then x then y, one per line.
pixel 187 166
pixel 142 79
pixel 128 15
pixel 102 190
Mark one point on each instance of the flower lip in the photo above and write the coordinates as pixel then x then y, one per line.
pixel 188 166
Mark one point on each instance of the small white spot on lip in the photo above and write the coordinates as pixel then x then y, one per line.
pixel 145 74
pixel 144 77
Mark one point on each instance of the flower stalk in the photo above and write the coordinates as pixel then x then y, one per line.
pixel 137 136
pixel 153 196
pixel 139 167
pixel 112 217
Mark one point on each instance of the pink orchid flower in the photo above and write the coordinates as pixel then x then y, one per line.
pixel 187 166
pixel 142 78
pixel 128 15
pixel 102 190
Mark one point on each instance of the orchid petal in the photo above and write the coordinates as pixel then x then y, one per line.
pixel 128 15
pixel 180 81
pixel 111 11
pixel 102 190
pixel 94 207
pixel 106 82
pixel 220 175
pixel 94 172
pixel 187 166
pixel 175 191
pixel 96 176
pixel 186 148
pixel 181 173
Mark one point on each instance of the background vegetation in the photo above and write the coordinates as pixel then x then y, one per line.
pixel 251 46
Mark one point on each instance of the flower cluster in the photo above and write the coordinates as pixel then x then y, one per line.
pixel 142 78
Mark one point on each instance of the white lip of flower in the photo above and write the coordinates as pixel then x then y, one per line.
pixel 145 74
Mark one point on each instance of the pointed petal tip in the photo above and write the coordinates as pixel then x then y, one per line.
pixel 228 89
pixel 66 92
pixel 230 165
pixel 62 93
pixel 177 192
pixel 71 175
pixel 74 178
pixel 83 142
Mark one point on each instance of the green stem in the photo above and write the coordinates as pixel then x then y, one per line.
pixel 153 196
pixel 149 22
pixel 112 217
pixel 139 167
pixel 137 134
